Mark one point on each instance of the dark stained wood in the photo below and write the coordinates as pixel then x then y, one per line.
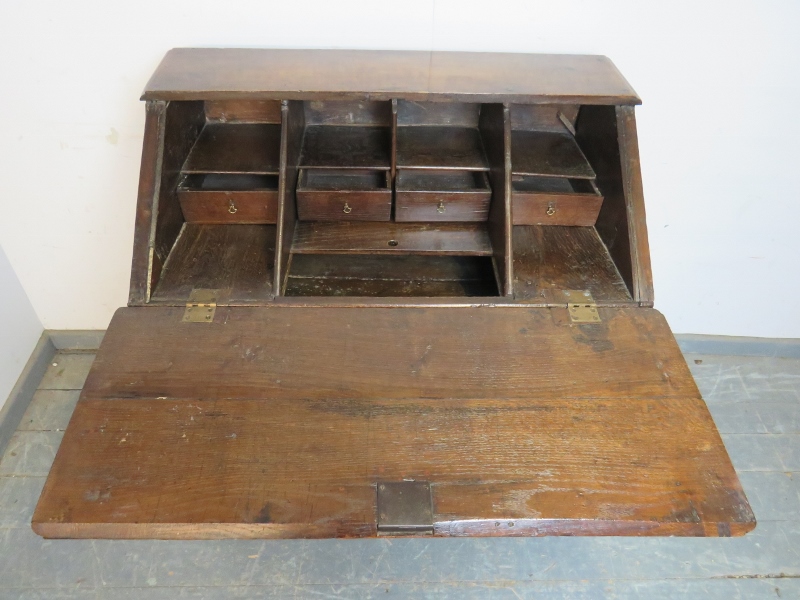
pixel 199 455
pixel 292 132
pixel 443 196
pixel 149 176
pixel 235 259
pixel 344 195
pixel 634 200
pixel 548 153
pixel 453 114
pixel 550 259
pixel 597 134
pixel 428 147
pixel 236 148
pixel 495 127
pixel 342 147
pixel 228 73
pixel 391 276
pixel 392 238
pixel 322 112
pixel 554 201
pixel 542 117
pixel 250 199
pixel 184 121
pixel 244 111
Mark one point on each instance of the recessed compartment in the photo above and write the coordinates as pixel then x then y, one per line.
pixel 425 195
pixel 554 201
pixel 344 195
pixel 236 148
pixel 229 198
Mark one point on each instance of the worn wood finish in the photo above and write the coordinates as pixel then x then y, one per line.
pixel 342 147
pixel 251 199
pixel 555 201
pixel 442 196
pixel 344 195
pixel 543 117
pixel 429 147
pixel 495 127
pixel 550 259
pixel 184 122
pixel 642 274
pixel 149 176
pixel 391 276
pixel 293 130
pixel 236 148
pixel 548 153
pixel 505 352
pixel 244 111
pixel 354 112
pixel 235 259
pixel 597 134
pixel 452 114
pixel 210 73
pixel 247 445
pixel 392 238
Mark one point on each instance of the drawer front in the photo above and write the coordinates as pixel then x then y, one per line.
pixel 327 205
pixel 555 209
pixel 217 207
pixel 442 206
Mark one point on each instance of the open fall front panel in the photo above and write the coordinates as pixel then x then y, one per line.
pixel 389 293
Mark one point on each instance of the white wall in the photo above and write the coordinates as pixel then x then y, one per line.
pixel 718 130
pixel 20 328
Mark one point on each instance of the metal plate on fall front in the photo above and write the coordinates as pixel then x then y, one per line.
pixel 405 507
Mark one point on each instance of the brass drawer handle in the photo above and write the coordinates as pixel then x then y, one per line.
pixel 440 208
pixel 347 210
pixel 551 209
pixel 231 207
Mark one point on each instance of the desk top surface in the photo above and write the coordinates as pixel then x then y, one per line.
pixel 227 73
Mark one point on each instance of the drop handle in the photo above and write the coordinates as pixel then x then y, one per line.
pixel 551 209
pixel 231 207
pixel 440 208
pixel 347 209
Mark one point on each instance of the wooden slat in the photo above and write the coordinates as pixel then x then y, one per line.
pixel 550 259
pixel 342 147
pixel 235 259
pixel 220 73
pixel 431 147
pixel 236 148
pixel 380 353
pixel 392 238
pixel 548 153
pixel 497 415
pixel 244 111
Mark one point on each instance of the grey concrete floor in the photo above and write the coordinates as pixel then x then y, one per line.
pixel 755 402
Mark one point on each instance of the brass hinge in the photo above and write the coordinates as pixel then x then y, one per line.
pixel 405 507
pixel 581 306
pixel 201 306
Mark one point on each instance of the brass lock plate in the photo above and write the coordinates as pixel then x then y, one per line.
pixel 405 507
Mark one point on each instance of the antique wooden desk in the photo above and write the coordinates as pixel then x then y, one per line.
pixel 389 293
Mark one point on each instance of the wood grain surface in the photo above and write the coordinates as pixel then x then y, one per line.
pixel 516 435
pixel 225 73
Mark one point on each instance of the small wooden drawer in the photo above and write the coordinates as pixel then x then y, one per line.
pixel 554 201
pixel 344 195
pixel 423 195
pixel 216 198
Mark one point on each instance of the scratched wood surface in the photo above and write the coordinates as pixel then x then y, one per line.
pixel 230 73
pixel 524 423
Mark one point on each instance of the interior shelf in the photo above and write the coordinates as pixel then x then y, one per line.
pixel 435 147
pixel 249 148
pixel 237 260
pixel 317 237
pixel 548 153
pixel 550 259
pixel 342 147
pixel 391 276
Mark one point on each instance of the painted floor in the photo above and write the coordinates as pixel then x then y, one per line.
pixel 755 402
